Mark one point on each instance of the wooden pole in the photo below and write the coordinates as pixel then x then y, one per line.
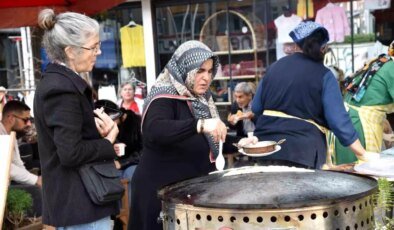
pixel 7 143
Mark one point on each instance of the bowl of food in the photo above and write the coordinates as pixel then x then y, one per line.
pixel 262 147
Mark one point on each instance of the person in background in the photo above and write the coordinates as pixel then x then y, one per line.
pixel 69 134
pixel 298 99
pixel 16 117
pixel 128 100
pixel 129 125
pixel 181 130
pixel 369 97
pixel 241 116
pixel 3 98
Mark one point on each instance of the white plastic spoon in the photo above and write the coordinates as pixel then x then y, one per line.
pixel 219 163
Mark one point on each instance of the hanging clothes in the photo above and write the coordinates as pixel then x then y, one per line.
pixel 334 19
pixel 107 58
pixel 107 93
pixel 302 11
pixel 284 25
pixel 132 46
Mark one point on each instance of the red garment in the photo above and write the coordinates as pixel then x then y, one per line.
pixel 133 107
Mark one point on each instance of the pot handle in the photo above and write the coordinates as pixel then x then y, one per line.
pixel 280 141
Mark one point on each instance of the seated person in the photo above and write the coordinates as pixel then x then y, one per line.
pixel 241 117
pixel 16 117
pixel 29 149
pixel 129 124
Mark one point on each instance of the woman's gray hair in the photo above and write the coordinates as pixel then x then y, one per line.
pixel 247 88
pixel 65 29
pixel 123 85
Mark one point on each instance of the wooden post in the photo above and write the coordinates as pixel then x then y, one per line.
pixel 7 143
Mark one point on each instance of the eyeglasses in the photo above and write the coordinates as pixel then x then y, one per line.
pixel 94 49
pixel 25 120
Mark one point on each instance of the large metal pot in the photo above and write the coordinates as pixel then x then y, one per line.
pixel 259 198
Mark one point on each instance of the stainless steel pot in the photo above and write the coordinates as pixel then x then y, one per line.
pixel 256 198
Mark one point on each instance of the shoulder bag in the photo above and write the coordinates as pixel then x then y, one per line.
pixel 102 182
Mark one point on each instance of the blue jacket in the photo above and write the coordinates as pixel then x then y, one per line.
pixel 301 87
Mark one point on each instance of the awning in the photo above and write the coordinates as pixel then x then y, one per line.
pixel 19 13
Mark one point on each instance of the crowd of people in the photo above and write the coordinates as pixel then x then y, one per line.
pixel 175 133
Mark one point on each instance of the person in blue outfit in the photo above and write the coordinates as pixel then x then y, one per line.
pixel 298 99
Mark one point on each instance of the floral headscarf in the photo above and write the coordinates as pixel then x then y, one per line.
pixel 306 29
pixel 177 80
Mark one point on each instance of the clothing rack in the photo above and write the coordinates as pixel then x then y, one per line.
pixel 140 83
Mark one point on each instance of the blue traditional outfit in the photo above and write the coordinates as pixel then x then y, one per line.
pixel 299 99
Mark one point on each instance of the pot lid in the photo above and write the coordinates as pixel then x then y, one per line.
pixel 273 187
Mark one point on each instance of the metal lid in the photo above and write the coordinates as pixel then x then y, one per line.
pixel 261 187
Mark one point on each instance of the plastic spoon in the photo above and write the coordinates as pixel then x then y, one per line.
pixel 219 163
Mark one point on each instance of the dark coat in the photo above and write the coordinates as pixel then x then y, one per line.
pixel 173 151
pixel 67 139
pixel 130 134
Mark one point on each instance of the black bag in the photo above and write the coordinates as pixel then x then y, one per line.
pixel 102 182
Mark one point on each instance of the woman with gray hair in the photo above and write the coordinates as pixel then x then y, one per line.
pixel 69 135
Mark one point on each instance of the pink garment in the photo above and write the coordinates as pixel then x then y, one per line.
pixel 334 19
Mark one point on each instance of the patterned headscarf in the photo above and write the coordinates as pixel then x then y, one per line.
pixel 177 80
pixel 305 29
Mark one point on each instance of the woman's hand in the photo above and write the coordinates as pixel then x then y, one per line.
pixel 119 149
pixel 103 122
pixel 105 125
pixel 368 156
pixel 214 127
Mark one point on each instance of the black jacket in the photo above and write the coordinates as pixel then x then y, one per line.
pixel 67 139
pixel 130 134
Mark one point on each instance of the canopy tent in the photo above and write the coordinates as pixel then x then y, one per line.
pixel 19 13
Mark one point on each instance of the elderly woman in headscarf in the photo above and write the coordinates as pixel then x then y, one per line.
pixel 181 129
pixel 298 99
pixel 369 97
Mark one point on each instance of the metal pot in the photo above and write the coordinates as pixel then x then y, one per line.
pixel 257 198
pixel 261 147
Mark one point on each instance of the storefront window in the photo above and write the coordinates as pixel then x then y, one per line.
pixel 122 45
pixel 249 35
pixel 242 33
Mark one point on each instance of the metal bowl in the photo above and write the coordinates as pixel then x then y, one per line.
pixel 260 147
